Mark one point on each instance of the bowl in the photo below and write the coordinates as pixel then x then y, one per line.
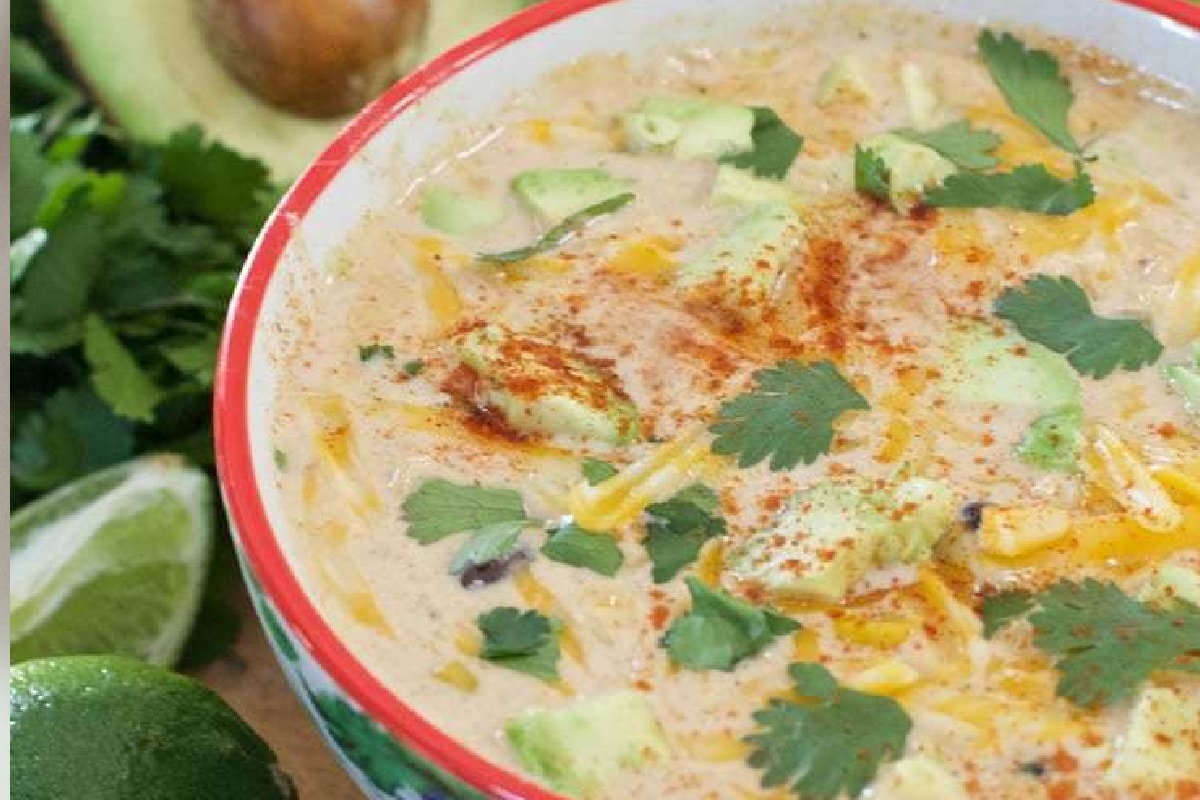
pixel 389 749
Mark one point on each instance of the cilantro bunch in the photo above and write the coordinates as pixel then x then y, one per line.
pixel 123 259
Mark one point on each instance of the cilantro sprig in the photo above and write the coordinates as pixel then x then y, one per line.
pixel 677 528
pixel 776 146
pixel 1030 187
pixel 561 233
pixel 788 417
pixel 829 744
pixel 439 508
pixel 596 471
pixel 1032 84
pixel 1055 312
pixel 522 641
pixel 721 631
pixel 1104 643
pixel 579 547
pixel 958 142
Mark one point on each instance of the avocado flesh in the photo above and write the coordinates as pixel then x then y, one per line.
pixel 149 66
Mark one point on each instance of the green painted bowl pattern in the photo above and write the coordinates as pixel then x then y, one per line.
pixel 384 768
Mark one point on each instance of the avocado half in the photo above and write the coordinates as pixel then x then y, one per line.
pixel 150 68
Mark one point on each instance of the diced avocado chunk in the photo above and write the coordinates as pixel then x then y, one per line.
pixel 985 364
pixel 555 194
pixel 581 747
pixel 1159 746
pixel 1185 379
pixel 834 533
pixel 738 270
pixel 912 168
pixel 920 97
pixel 739 187
pixel 918 778
pixel 458 214
pixel 689 127
pixel 1054 440
pixel 543 388
pixel 1170 583
pixel 844 79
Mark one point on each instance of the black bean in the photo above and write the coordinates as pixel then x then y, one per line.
pixel 972 514
pixel 492 571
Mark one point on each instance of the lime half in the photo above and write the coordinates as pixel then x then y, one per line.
pixel 112 563
pixel 111 728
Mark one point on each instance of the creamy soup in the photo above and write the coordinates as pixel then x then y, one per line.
pixel 634 416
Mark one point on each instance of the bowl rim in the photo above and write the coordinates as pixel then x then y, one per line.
pixel 231 424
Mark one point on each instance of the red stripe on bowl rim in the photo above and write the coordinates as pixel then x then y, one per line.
pixel 231 423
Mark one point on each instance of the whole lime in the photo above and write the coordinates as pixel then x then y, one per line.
pixel 113 728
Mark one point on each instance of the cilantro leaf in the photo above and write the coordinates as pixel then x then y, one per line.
pixel 118 378
pixel 211 181
pixel 579 547
pixel 489 543
pixel 775 146
pixel 788 417
pixel 1032 85
pixel 375 350
pixel 522 641
pixel 1105 643
pixel 871 174
pixel 596 472
pixel 720 631
pixel 59 278
pixel 71 434
pixel 560 233
pixel 1001 609
pixel 26 182
pixel 1055 312
pixel 959 143
pixel 832 744
pixel 1030 187
pixel 194 357
pixel 413 368
pixel 676 530
pixel 439 508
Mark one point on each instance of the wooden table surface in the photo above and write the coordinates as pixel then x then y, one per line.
pixel 250 680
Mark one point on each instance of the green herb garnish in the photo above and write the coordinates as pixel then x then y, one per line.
pixel 1001 609
pixel 871 175
pixel 775 147
pixel 958 142
pixel 1055 312
pixel 375 350
pixel 439 508
pixel 720 631
pixel 522 641
pixel 596 471
pixel 1030 187
pixel 560 233
pixel 1032 84
pixel 489 543
pixel 676 530
pixel 118 378
pixel 788 416
pixel 1105 644
pixel 413 368
pixel 579 547
pixel 830 744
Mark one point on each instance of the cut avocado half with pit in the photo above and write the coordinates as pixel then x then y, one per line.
pixel 149 66
pixel 580 748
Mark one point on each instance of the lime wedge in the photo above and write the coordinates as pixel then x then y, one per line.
pixel 112 563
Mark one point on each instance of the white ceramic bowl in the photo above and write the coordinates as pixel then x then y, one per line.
pixel 389 749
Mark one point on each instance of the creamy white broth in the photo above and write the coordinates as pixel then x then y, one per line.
pixel 876 291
